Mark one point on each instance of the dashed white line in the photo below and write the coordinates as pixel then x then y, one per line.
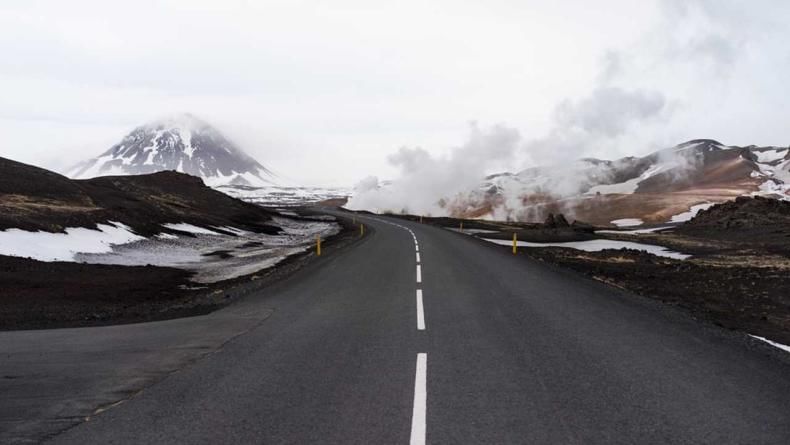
pixel 420 312
pixel 418 257
pixel 420 395
pixel 419 274
pixel 416 247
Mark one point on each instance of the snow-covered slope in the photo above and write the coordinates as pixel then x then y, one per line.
pixel 183 143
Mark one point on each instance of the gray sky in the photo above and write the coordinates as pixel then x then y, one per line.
pixel 325 91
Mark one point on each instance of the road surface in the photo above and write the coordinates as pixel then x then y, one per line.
pixel 415 335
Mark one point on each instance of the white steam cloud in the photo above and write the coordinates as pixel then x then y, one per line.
pixel 427 182
pixel 450 185
pixel 584 127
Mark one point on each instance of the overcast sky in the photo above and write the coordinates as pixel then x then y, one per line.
pixel 324 91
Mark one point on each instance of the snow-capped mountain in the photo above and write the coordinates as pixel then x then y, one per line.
pixel 183 143
pixel 653 188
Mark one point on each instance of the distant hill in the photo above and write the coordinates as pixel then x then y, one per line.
pixel 182 143
pixel 652 188
pixel 32 198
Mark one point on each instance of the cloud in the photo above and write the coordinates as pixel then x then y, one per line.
pixel 323 91
pixel 593 124
pixel 608 111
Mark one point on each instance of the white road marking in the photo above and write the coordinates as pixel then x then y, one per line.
pixel 419 274
pixel 416 247
pixel 420 395
pixel 420 312
pixel 418 257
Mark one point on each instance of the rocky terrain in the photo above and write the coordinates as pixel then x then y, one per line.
pixel 32 198
pixel 133 248
pixel 757 221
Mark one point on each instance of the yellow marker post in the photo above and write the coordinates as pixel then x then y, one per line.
pixel 318 245
pixel 515 243
pixel 361 230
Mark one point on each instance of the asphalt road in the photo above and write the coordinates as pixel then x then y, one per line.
pixel 511 351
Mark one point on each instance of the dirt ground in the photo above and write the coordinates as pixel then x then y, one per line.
pixel 735 294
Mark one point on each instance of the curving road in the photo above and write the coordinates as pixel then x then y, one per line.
pixel 416 334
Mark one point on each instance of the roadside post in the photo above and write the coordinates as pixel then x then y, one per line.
pixel 318 245
pixel 515 243
pixel 461 226
pixel 361 230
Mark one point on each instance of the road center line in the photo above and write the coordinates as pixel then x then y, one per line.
pixel 418 257
pixel 419 274
pixel 420 312
pixel 420 394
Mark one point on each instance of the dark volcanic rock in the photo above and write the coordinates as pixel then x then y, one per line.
pixel 744 213
pixel 556 222
pixel 582 226
pixel 753 221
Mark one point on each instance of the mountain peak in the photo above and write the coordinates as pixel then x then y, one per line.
pixel 185 121
pixel 701 145
pixel 180 142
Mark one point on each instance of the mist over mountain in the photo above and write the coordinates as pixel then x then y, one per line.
pixel 183 143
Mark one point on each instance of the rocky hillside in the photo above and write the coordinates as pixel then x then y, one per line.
pixel 753 220
pixel 657 188
pixel 32 198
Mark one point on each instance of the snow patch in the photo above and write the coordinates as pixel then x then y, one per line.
pixel 627 187
pixel 186 138
pixel 768 156
pixel 686 216
pixel 627 222
pixel 232 230
pixel 46 246
pixel 600 244
pixel 189 228
pixel 635 232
